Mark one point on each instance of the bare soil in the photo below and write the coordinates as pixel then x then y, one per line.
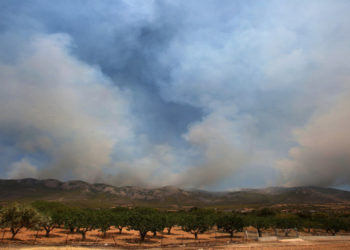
pixel 62 239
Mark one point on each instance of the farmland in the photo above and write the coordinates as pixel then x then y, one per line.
pixel 43 223
pixel 63 240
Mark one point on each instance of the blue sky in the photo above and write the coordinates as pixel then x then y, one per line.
pixel 204 94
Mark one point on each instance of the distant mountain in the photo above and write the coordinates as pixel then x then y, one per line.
pixel 99 194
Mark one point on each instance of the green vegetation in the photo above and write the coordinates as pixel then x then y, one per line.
pixel 51 214
pixel 85 220
pixel 17 216
pixel 287 222
pixel 143 220
pixel 43 215
pixel 334 224
pixel 171 219
pixel 230 223
pixel 69 216
pixel 197 221
pixel 104 220
pixel 261 223
pixel 120 218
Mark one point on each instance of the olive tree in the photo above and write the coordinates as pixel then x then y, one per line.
pixel 260 223
pixel 104 221
pixel 171 219
pixel 158 223
pixel 16 217
pixel 80 220
pixel 306 220
pixel 119 217
pixel 52 215
pixel 333 224
pixel 197 221
pixel 230 223
pixel 142 220
pixel 69 218
pixel 85 220
pixel 286 222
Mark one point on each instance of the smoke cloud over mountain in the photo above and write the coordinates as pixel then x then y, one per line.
pixel 196 94
pixel 322 156
pixel 61 111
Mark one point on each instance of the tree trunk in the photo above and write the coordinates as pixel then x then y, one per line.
pixel 83 235
pixel 14 232
pixel 71 229
pixel 142 236
pixel 104 235
pixel 196 235
pixel 259 232
pixel 154 233
pixel 286 232
pixel 231 235
pixel 169 229
pixel 47 233
pixel 120 230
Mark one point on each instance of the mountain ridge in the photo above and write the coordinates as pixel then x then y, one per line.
pixel 78 191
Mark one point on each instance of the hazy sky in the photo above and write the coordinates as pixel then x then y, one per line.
pixel 205 94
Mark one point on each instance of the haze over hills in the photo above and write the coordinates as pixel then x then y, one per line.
pixel 100 194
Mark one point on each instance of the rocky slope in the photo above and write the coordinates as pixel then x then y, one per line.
pixel 102 194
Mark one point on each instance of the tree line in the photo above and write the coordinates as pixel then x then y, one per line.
pixel 42 215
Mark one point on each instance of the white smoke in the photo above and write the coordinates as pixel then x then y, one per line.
pixel 23 169
pixel 322 156
pixel 62 108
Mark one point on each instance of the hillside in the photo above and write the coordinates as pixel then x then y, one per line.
pixel 99 194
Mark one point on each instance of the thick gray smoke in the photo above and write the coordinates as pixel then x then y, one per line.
pixel 189 93
pixel 63 111
pixel 70 115
pixel 322 156
pixel 217 139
